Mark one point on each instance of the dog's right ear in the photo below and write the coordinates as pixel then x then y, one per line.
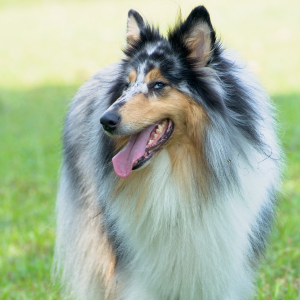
pixel 195 37
pixel 135 25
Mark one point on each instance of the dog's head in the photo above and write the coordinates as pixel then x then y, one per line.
pixel 153 101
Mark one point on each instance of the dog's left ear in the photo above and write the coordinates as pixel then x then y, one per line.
pixel 135 24
pixel 196 35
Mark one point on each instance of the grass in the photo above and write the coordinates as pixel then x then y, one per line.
pixel 49 48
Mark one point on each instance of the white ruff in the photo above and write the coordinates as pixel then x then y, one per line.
pixel 181 250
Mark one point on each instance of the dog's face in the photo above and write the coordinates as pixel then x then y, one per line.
pixel 152 106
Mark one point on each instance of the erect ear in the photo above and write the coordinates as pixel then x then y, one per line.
pixel 198 35
pixel 135 24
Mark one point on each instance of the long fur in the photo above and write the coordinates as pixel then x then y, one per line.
pixel 193 223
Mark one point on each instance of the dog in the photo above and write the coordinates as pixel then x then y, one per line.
pixel 171 196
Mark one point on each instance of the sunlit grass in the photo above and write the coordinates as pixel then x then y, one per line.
pixel 49 48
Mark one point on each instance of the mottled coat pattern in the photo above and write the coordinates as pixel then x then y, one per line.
pixel 189 219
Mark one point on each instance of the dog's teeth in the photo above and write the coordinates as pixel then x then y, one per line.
pixel 155 136
pixel 159 129
pixel 150 142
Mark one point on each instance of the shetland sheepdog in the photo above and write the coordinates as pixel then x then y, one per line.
pixel 171 196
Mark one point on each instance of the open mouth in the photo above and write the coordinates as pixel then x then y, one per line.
pixel 142 147
pixel 159 135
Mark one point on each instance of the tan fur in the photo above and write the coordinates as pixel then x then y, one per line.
pixel 185 145
pixel 91 241
pixel 99 245
pixel 132 76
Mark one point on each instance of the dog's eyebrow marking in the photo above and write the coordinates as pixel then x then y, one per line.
pixel 155 75
pixel 132 76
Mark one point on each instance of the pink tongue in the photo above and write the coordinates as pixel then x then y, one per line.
pixel 124 160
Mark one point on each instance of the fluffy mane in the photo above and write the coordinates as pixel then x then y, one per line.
pixel 192 223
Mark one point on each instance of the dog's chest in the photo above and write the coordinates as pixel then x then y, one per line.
pixel 175 249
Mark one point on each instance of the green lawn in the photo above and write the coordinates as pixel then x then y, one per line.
pixel 49 48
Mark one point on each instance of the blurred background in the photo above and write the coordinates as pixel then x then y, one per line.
pixel 49 48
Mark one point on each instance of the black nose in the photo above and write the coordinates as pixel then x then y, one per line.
pixel 109 121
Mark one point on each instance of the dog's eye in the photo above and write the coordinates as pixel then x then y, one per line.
pixel 159 85
pixel 126 85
